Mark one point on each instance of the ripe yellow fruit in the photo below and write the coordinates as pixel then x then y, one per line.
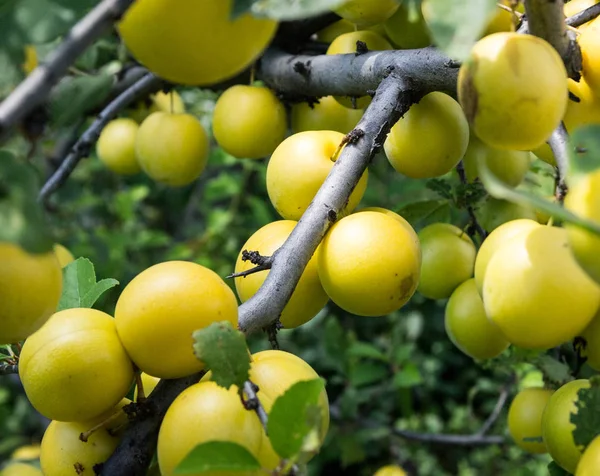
pixel 326 115
pixel 201 413
pixel 170 102
pixel 407 34
pixel 591 334
pixel 367 12
pixel 274 371
pixel 589 464
pixel 31 59
pixel 390 470
pixel 513 89
pixel 249 121
pixel 575 6
pixel 531 283
pixel 172 148
pixel 589 42
pixel 544 152
pixel 557 429
pixel 407 226
pixel 63 453
pixel 369 264
pixel 30 288
pixel 495 240
pixel 509 166
pixel 525 418
pixel 430 139
pixel 331 32
pixel 583 199
pixel 27 452
pixel 298 168
pixel 63 255
pixel 149 382
pixel 20 469
pixel 75 367
pixel 469 328
pixel 161 308
pixel 502 19
pixel 196 43
pixel 308 297
pixel 116 146
pixel 448 259
pixel 346 43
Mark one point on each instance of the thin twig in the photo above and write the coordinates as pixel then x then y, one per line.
pixel 252 402
pixel 584 16
pixel 460 169
pixel 262 263
pixel 34 90
pixel 448 439
pixel 559 143
pixel 82 147
pixel 493 417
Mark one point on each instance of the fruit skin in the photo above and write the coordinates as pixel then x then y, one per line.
pixel 63 453
pixel 513 89
pixel 179 44
pixel 407 226
pixel 20 469
pixel 589 464
pixel 63 255
pixel 201 413
pixel 557 429
pixel 326 115
pixel 509 166
pixel 298 168
pixel 31 59
pixel 448 259
pixel 30 288
pixel 367 12
pixel 525 418
pixel 589 42
pixel 531 283
pixel 390 470
pixel 166 102
pixel 586 111
pixel 116 146
pixel 161 308
pixel 369 264
pixel 249 121
pixel 274 371
pixel 430 139
pixel 468 327
pixel 502 19
pixel 75 367
pixel 583 199
pixel 591 334
pixel 172 148
pixel 149 382
pixel 27 452
pixel 406 34
pixel 494 241
pixel 331 32
pixel 308 297
pixel 346 43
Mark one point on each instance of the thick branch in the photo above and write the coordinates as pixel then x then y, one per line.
pixel 35 89
pixel 393 98
pixel 134 454
pixel 351 75
pixel 558 142
pixel 546 19
pixel 447 439
pixel 82 147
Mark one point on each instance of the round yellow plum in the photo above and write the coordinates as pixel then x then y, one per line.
pixel 589 464
pixel 367 12
pixel 525 418
pixel 116 146
pixel 326 115
pixel 430 139
pixel 20 469
pixel 390 470
pixel 591 335
pixel 405 32
pixel 407 226
pixel 63 255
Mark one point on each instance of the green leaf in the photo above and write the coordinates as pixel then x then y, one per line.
pixel 440 186
pixel 426 210
pixel 554 370
pixel 498 189
pixel 365 373
pixel 584 153
pixel 364 349
pixel 218 456
pixel 292 9
pixel 587 418
pixel 80 288
pixel 75 96
pixel 292 417
pixel 223 349
pixel 22 218
pixel 556 470
pixel 449 26
pixel 240 7
pixel 408 376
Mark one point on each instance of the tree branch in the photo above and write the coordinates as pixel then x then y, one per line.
pixel 82 147
pixel 546 19
pixel 35 89
pixel 252 402
pixel 8 369
pixel 134 454
pixel 354 75
pixel 558 142
pixel 584 16
pixel 447 439
pixel 393 99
